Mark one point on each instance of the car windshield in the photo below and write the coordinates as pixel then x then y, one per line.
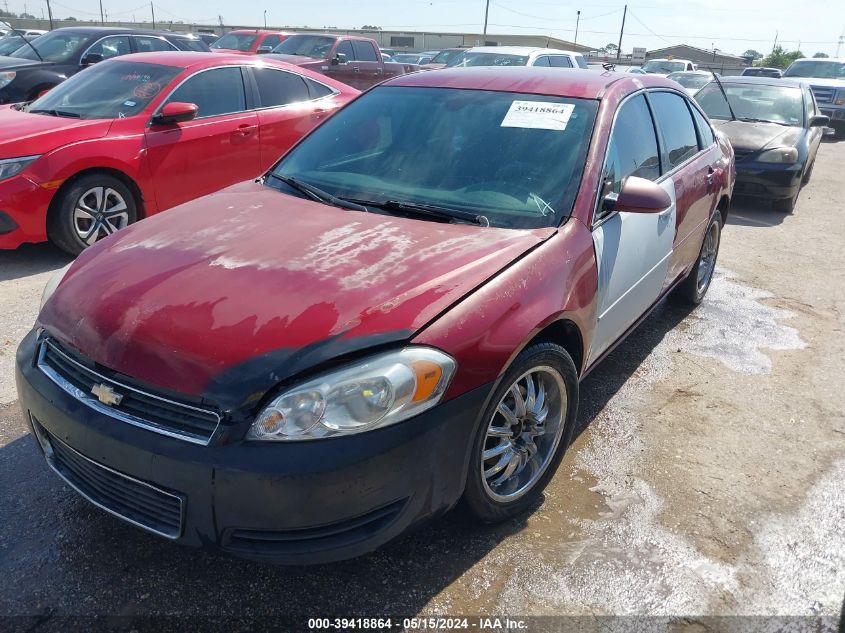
pixel 109 90
pixel 306 45
pixel 775 104
pixel 661 66
pixel 57 46
pixel 816 68
pixel 236 42
pixel 690 81
pixel 516 159
pixel 486 59
pixel 443 57
pixel 10 43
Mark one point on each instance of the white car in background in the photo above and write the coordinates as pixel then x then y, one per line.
pixel 692 81
pixel 665 67
pixel 517 56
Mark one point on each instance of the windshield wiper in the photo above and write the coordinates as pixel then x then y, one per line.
pixel 315 193
pixel 753 120
pixel 430 210
pixel 55 112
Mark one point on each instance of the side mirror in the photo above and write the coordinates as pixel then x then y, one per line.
pixel 263 50
pixel 819 120
pixel 175 112
pixel 92 58
pixel 339 58
pixel 638 195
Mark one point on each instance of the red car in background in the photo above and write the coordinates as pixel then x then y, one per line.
pixel 301 368
pixel 249 41
pixel 133 136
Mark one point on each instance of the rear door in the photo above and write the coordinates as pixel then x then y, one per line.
pixel 632 249
pixel 691 166
pixel 368 64
pixel 287 110
pixel 218 148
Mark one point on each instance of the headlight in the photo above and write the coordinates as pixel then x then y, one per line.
pixel 51 286
pixel 6 78
pixel 11 166
pixel 374 393
pixel 784 155
pixel 840 98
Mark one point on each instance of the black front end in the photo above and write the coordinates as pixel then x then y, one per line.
pixel 172 468
pixel 767 181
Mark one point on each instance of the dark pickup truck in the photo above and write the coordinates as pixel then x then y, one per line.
pixel 356 61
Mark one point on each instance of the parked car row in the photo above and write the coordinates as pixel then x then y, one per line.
pixel 396 315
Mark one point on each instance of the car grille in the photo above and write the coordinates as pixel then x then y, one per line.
pixel 127 498
pixel 823 95
pixel 137 407
pixel 742 154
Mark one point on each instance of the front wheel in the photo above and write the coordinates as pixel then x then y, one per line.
pixel 694 287
pixel 93 207
pixel 524 433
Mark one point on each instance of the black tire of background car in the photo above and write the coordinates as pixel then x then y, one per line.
pixel 687 292
pixel 60 229
pixel 475 497
pixel 788 205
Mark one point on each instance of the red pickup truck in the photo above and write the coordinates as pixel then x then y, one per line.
pixel 356 61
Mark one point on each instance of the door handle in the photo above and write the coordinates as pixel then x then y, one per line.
pixel 244 130
pixel 355 69
pixel 320 113
pixel 711 174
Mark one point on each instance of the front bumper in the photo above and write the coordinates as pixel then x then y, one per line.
pixel 23 209
pixel 291 503
pixel 767 181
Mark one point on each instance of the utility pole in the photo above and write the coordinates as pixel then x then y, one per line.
pixel 265 18
pixel 50 13
pixel 577 23
pixel 153 10
pixel 102 21
pixel 774 46
pixel 841 41
pixel 486 13
pixel 621 32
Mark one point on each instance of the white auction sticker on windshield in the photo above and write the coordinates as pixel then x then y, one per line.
pixel 541 115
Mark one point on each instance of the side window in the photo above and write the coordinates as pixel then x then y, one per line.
pixel 278 87
pixel 215 92
pixel 543 60
pixel 345 47
pixel 676 127
pixel 705 132
pixel 318 90
pixel 632 150
pixel 364 51
pixel 151 44
pixel 111 47
pixel 560 61
pixel 271 40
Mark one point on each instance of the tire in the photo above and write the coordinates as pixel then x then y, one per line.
pixel 90 208
pixel 691 291
pixel 536 443
pixel 788 205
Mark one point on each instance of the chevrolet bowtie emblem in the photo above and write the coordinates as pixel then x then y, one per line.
pixel 106 395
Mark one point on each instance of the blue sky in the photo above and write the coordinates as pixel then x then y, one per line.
pixel 727 24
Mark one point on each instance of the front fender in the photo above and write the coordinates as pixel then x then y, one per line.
pixel 487 329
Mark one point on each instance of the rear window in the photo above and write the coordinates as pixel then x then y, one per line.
pixel 675 122
pixel 279 87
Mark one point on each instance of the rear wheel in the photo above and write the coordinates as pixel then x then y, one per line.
pixel 524 433
pixel 93 207
pixel 694 287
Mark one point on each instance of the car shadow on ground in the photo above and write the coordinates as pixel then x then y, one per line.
pixel 749 212
pixel 62 556
pixel 31 259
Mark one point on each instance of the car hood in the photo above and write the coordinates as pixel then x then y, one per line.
pixel 752 137
pixel 819 82
pixel 296 60
pixel 25 134
pixel 228 295
pixel 13 63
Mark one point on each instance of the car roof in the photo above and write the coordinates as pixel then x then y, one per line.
pixel 840 60
pixel 763 81
pixel 518 50
pixel 192 59
pixel 692 72
pixel 585 84
pixel 259 32
pixel 113 30
pixel 762 68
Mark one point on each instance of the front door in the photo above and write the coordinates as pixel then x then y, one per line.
pixel 217 149
pixel 633 250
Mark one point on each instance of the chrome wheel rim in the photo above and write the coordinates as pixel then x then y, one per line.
pixel 523 434
pixel 707 263
pixel 100 211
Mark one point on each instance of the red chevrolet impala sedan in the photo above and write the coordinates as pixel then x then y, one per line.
pixel 139 134
pixel 396 317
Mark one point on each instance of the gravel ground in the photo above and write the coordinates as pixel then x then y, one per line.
pixel 706 480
